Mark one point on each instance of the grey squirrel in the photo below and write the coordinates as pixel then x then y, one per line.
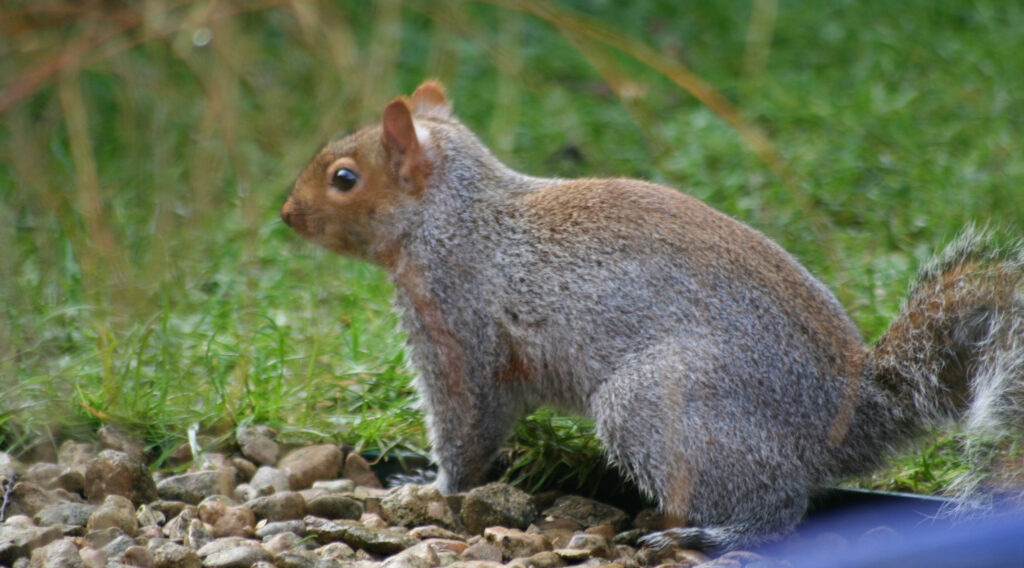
pixel 722 377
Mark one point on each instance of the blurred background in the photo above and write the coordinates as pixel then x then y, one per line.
pixel 145 148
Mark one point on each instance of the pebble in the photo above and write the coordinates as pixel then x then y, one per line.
pixel 269 480
pixel 236 557
pixel 515 543
pixel 227 520
pixel 57 554
pixel 335 485
pixel 116 512
pixel 311 463
pixel 116 473
pixel 359 536
pixel 167 554
pixel 279 506
pixel 415 505
pixel 257 444
pixel 587 512
pixel 70 517
pixel 358 470
pixel 267 529
pixel 194 487
pixel 335 506
pixel 497 504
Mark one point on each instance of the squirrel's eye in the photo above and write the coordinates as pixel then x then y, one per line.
pixel 344 179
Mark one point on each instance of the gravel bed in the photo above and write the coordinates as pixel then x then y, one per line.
pixel 314 506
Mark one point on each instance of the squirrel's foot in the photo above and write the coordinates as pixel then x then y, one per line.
pixel 693 537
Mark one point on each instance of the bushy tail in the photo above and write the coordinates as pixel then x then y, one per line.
pixel 956 349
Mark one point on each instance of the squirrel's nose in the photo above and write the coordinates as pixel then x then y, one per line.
pixel 286 213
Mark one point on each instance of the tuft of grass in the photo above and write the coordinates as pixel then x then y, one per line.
pixel 145 280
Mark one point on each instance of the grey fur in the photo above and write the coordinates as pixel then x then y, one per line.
pixel 723 378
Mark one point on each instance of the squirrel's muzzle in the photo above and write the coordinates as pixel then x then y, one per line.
pixel 291 217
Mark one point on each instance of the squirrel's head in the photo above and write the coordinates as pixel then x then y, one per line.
pixel 348 198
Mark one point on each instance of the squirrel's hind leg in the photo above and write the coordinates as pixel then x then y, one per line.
pixel 666 417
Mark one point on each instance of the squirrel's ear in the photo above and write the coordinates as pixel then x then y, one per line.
pixel 399 130
pixel 429 100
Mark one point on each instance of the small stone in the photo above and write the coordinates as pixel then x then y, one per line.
pixel 245 469
pixel 180 455
pixel 587 512
pixel 115 512
pixel 167 554
pixel 625 553
pixel 558 531
pixel 597 546
pixel 194 487
pixel 545 559
pixel 373 520
pixel 414 505
pixel 149 517
pixel 336 551
pixel 515 543
pixel 71 481
pixel 270 477
pixel 169 509
pixel 279 506
pixel 497 504
pixel 149 532
pixel 418 556
pixel 28 498
pixel 334 506
pixel 117 547
pixel 441 545
pixel 224 521
pixel 139 556
pixel 309 494
pixel 94 557
pixel 311 463
pixel 268 529
pixel 257 444
pixel 573 555
pixel 297 559
pixel 282 542
pixel 57 554
pixel 476 564
pixel 434 531
pixel 335 485
pixel 481 551
pixel 222 544
pixel 176 529
pixel 103 537
pixel 43 474
pixel 358 470
pixel 245 493
pixel 116 473
pixel 70 517
pixel 237 557
pixel 197 535
pixel 376 541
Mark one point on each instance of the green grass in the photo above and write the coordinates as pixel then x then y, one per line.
pixel 147 282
